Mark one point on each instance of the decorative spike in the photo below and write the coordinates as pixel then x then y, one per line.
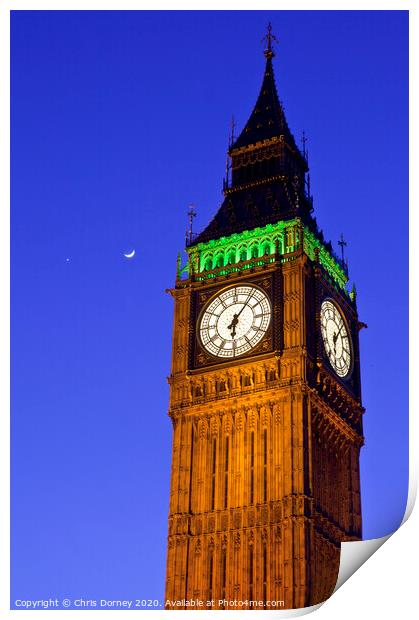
pixel 304 143
pixel 189 231
pixel 269 38
pixel 342 244
pixel 227 177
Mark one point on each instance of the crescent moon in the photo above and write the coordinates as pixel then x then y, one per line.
pixel 130 255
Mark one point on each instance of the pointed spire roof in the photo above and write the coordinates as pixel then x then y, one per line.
pixel 265 182
pixel 267 119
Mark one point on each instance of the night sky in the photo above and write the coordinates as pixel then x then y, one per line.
pixel 120 120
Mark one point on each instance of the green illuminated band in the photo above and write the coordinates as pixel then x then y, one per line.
pixel 242 251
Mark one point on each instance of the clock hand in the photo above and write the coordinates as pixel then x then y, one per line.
pixel 245 304
pixel 335 336
pixel 232 326
pixel 235 319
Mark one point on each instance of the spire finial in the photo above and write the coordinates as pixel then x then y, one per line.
pixel 269 37
pixel 189 231
pixel 342 244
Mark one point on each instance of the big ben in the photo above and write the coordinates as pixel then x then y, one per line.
pixel 265 394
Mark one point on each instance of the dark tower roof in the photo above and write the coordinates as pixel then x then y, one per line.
pixel 267 180
pixel 267 119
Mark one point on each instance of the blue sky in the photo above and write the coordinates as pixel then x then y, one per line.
pixel 119 120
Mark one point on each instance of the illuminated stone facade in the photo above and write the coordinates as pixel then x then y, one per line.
pixel 265 465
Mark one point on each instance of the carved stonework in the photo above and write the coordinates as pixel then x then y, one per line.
pixel 276 414
pixel 264 415
pixel 239 422
pixel 224 522
pixel 265 456
pixel 198 547
pixel 251 419
pixel 198 525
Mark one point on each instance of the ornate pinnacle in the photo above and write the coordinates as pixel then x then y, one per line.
pixel 269 37
pixel 189 231
pixel 342 244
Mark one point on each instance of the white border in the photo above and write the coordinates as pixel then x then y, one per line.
pixel 386 586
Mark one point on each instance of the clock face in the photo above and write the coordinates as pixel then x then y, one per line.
pixel 235 321
pixel 336 339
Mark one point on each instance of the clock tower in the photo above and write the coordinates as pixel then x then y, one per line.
pixel 265 395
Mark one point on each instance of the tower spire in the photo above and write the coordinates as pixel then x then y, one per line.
pixel 342 244
pixel 267 119
pixel 269 37
pixel 265 165
pixel 189 230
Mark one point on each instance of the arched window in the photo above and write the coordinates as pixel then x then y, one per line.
pixel 208 264
pixel 226 464
pixel 213 473
pixel 255 252
pixel 220 261
pixel 266 249
pixel 280 242
pixel 265 465
pixel 245 381
pixel 243 254
pixel 252 467
pixel 231 258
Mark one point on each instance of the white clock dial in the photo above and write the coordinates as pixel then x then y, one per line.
pixel 336 339
pixel 235 321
